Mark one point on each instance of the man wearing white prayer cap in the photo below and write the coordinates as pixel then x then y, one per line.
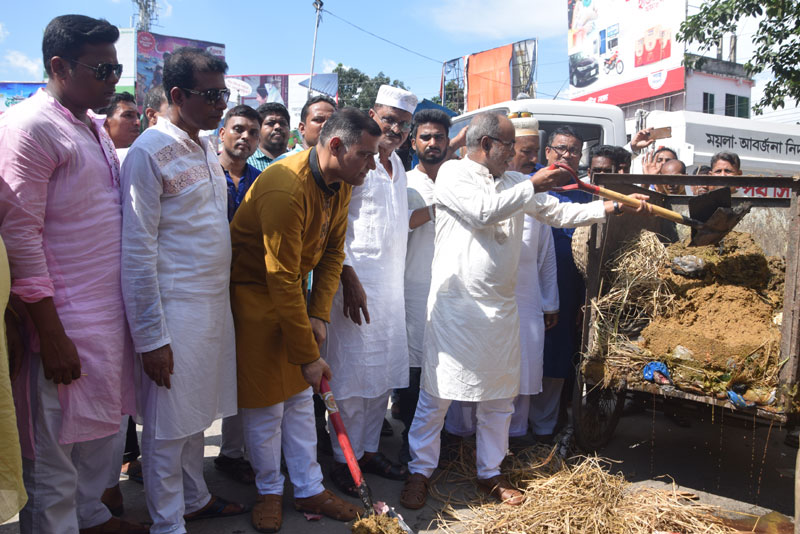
pixel 369 356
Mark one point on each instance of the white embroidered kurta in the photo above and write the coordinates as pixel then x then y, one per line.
pixel 537 294
pixel 176 258
pixel 370 359
pixel 419 257
pixel 471 349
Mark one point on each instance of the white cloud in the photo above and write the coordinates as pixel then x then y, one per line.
pixel 497 19
pixel 3 32
pixel 328 65
pixel 165 9
pixel 18 60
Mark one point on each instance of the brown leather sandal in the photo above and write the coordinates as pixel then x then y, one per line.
pixel 267 515
pixel 326 503
pixel 499 487
pixel 415 491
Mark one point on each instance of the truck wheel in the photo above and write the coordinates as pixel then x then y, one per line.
pixel 595 413
pixel 620 67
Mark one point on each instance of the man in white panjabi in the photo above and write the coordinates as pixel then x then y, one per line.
pixel 369 360
pixel 472 349
pixel 176 257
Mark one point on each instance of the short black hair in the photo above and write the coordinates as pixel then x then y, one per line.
pixel 65 37
pixel 436 116
pixel 316 99
pixel 603 151
pixel 273 108
pixel 566 130
pixel 730 157
pixel 183 62
pixel 702 170
pixel 242 110
pixel 348 124
pixel 665 149
pixel 622 156
pixel 114 103
pixel 155 98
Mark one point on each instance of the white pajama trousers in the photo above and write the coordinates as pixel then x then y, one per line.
pixel 64 482
pixel 544 407
pixel 362 420
pixel 232 441
pixel 493 419
pixel 287 426
pixel 172 470
pixel 118 451
pixel 460 419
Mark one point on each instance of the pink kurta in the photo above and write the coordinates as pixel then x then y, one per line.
pixel 61 220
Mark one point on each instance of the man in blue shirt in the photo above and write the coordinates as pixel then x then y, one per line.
pixel 239 135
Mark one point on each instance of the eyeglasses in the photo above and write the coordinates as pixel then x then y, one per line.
pixel 507 144
pixel 428 137
pixel 212 96
pixel 103 70
pixel 564 149
pixel 391 122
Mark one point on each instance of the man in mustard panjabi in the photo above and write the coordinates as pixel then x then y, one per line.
pixel 292 221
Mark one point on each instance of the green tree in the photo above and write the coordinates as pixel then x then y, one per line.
pixel 777 41
pixel 454 94
pixel 358 90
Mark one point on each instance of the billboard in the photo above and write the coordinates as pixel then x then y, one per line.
pixel 15 92
pixel 291 90
pixel 151 48
pixel 621 51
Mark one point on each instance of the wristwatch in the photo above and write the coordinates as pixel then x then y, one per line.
pixel 617 208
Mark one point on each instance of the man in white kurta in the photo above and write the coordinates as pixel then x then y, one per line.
pixel 176 252
pixel 472 347
pixel 368 359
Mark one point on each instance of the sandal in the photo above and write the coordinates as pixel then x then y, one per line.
pixel 328 504
pixel 415 492
pixel 499 487
pixel 238 469
pixel 267 513
pixel 116 526
pixel 216 507
pixel 378 464
pixel 343 480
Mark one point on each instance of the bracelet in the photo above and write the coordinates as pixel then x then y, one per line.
pixel 617 208
pixel 431 212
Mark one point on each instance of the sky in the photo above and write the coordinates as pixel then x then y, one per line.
pixel 269 37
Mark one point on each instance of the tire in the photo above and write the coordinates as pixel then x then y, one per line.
pixel 620 67
pixel 595 413
pixel 575 80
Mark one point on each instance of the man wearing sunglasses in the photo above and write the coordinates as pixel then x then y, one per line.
pixel 61 222
pixel 368 359
pixel 175 276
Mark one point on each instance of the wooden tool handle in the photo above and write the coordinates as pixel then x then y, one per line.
pixel 635 202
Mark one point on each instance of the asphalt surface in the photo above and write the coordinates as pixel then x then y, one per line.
pixel 726 461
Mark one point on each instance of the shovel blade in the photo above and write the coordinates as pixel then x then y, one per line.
pixel 721 222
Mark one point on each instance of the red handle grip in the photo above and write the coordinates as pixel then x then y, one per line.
pixel 341 433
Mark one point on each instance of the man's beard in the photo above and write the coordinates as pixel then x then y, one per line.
pixel 432 160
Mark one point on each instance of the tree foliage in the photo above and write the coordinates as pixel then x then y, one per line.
pixel 453 95
pixel 358 89
pixel 777 41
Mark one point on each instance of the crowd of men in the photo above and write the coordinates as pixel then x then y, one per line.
pixel 159 277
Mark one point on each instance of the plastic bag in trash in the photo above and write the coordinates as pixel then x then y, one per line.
pixel 656 372
pixel 738 401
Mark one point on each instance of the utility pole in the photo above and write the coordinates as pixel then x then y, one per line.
pixel 318 6
pixel 148 14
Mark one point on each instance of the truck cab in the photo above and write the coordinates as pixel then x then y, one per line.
pixel 598 124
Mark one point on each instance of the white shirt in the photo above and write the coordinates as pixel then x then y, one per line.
pixel 419 257
pixel 471 350
pixel 176 257
pixel 370 359
pixel 537 294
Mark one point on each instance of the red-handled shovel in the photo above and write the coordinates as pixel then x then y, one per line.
pixel 344 442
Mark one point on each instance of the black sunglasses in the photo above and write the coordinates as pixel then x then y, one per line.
pixel 103 70
pixel 212 96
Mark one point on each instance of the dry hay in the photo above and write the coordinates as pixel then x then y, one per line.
pixel 377 524
pixel 582 497
pixel 714 332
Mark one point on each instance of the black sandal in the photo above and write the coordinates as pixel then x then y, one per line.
pixel 342 479
pixel 379 464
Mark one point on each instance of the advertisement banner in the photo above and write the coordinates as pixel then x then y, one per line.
pixel 151 49
pixel 291 90
pixel 621 51
pixel 15 92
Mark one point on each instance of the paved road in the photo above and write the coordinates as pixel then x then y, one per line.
pixel 730 465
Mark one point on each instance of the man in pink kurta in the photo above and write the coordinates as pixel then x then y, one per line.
pixel 61 219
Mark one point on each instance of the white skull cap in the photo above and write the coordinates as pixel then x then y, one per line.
pixel 396 98
pixel 525 126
